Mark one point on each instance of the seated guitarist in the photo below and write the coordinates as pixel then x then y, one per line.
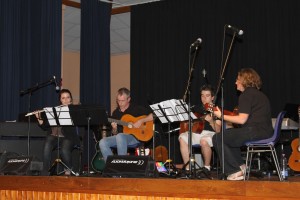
pixel 203 137
pixel 120 139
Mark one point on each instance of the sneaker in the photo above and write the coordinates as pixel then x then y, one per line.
pixel 206 173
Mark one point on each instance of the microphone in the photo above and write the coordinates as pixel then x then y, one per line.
pixel 204 73
pixel 56 85
pixel 238 31
pixel 197 42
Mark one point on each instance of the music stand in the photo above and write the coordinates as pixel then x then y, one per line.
pixel 171 111
pixel 75 115
pixel 88 115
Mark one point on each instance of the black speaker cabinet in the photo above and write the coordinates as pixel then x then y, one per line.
pixel 129 166
pixel 20 165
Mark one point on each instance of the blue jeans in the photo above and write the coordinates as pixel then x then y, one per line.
pixel 121 141
pixel 66 147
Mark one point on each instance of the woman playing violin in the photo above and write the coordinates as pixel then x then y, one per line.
pixel 254 117
pixel 203 136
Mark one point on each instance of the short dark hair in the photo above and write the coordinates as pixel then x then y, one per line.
pixel 208 88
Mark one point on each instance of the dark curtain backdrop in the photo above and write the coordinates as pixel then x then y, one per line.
pixel 95 53
pixel 94 62
pixel 162 32
pixel 30 54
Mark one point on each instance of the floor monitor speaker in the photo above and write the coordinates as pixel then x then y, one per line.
pixel 129 166
pixel 20 165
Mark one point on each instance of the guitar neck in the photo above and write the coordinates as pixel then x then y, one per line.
pixel 299 123
pixel 120 122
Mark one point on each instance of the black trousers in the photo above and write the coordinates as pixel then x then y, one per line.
pixel 234 139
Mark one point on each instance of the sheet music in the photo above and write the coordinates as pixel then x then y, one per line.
pixel 158 113
pixel 50 116
pixel 63 114
pixel 173 109
pixel 181 108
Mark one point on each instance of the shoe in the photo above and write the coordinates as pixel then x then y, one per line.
pixel 67 173
pixel 238 176
pixel 183 174
pixel 243 168
pixel 206 173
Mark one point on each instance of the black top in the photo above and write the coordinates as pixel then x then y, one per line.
pixel 133 110
pixel 69 132
pixel 257 105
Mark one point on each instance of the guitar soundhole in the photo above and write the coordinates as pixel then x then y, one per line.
pixel 143 128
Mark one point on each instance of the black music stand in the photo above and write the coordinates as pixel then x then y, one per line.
pixel 88 115
pixel 57 117
pixel 171 111
pixel 75 115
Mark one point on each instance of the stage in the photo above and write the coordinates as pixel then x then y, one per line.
pixel 71 187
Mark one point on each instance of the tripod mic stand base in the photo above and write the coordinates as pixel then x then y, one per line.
pixel 172 170
pixel 66 168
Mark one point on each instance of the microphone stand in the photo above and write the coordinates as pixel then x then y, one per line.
pixel 220 85
pixel 30 91
pixel 187 95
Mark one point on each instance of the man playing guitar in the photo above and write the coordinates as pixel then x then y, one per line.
pixel 203 136
pixel 137 120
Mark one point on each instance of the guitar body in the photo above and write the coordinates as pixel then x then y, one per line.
pixel 143 133
pixel 161 153
pixel 197 126
pixel 98 163
pixel 294 160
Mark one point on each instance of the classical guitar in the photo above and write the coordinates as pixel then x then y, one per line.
pixel 210 108
pixel 143 133
pixel 197 125
pixel 294 160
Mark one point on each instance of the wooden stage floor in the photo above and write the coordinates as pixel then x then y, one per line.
pixel 97 187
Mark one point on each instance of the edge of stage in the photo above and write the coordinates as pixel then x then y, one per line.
pixel 60 187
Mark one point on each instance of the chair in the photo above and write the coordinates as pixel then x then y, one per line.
pixel 265 145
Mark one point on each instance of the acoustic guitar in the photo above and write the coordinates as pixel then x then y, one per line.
pixel 294 160
pixel 98 162
pixel 161 153
pixel 143 133
pixel 211 107
pixel 197 125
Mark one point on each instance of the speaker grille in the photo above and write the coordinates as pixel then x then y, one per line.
pixel 129 166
